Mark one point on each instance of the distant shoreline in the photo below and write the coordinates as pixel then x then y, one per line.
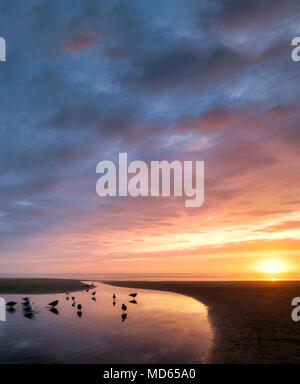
pixel 251 320
pixel 38 285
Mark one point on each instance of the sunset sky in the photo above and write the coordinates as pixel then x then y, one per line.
pixel 166 80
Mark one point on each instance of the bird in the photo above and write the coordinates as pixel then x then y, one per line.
pixel 26 298
pixel 114 296
pixel 79 306
pixel 114 303
pixel 73 305
pixel 73 298
pixel 94 293
pixel 67 292
pixel 53 303
pixel 124 315
pixel 94 298
pixel 11 304
pixel 27 303
pixel 133 295
pixel 133 301
pixel 124 307
pixel 67 298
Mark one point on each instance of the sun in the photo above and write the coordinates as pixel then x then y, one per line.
pixel 272 266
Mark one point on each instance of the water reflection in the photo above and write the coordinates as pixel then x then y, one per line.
pixel 161 327
pixel 54 310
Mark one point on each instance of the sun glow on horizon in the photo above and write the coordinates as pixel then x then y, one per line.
pixel 273 266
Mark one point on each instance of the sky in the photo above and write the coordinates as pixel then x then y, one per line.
pixel 161 80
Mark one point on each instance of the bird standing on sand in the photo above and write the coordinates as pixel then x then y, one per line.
pixel 53 303
pixel 114 296
pixel 79 306
pixel 11 304
pixel 124 307
pixel 133 295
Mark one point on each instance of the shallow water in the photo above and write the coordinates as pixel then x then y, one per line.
pixel 160 327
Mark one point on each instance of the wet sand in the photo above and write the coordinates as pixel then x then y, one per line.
pixel 251 320
pixel 36 285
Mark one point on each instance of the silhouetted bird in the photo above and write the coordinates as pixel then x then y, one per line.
pixel 26 298
pixel 54 310
pixel 67 298
pixel 79 306
pixel 73 298
pixel 11 303
pixel 94 293
pixel 79 313
pixel 53 303
pixel 124 315
pixel 114 296
pixel 124 307
pixel 133 301
pixel 133 295
pixel 67 292
pixel 26 303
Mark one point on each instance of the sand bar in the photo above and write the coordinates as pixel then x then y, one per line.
pixel 38 285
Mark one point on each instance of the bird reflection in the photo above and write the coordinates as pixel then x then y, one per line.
pixel 94 298
pixel 124 316
pixel 11 310
pixel 73 305
pixel 114 303
pixel 79 313
pixel 29 315
pixel 54 310
pixel 133 301
pixel 67 298
pixel 124 307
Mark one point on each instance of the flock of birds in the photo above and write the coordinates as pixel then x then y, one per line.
pixel 29 309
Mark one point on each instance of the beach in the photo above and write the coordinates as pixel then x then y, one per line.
pixel 251 320
pixel 38 285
